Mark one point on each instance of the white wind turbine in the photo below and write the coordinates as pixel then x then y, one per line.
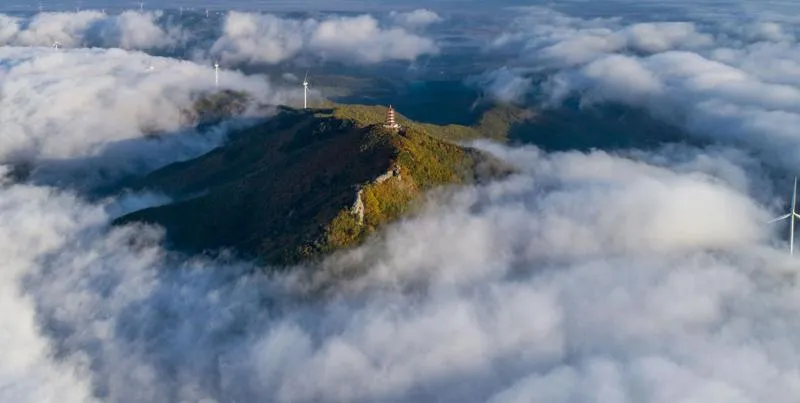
pixel 791 216
pixel 56 44
pixel 305 91
pixel 216 74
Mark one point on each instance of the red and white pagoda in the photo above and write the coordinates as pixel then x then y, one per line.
pixel 391 123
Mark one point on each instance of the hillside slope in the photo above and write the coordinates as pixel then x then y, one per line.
pixel 573 127
pixel 306 183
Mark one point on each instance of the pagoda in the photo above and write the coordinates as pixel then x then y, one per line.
pixel 391 123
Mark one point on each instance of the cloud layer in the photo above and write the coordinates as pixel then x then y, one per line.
pixel 735 82
pixel 416 19
pixel 91 110
pixel 586 275
pixel 241 38
pixel 636 277
pixel 255 38
pixel 127 30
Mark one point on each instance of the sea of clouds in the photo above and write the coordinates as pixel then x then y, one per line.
pixel 233 39
pixel 83 115
pixel 586 277
pixel 734 80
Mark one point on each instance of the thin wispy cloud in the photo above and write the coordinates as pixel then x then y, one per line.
pixel 419 18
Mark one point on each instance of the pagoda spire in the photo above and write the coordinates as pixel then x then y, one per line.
pixel 391 123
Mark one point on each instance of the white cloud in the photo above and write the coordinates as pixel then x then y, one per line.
pixel 128 30
pixel 259 38
pixel 556 40
pixel 418 18
pixel 256 38
pixel 362 39
pixel 645 276
pixel 46 28
pixel 504 84
pixel 586 275
pixel 55 107
pixel 134 30
pixel 738 83
pixel 549 282
pixel 244 37
pixel 28 371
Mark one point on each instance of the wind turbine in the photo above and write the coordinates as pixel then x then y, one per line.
pixel 141 6
pixel 56 44
pixel 305 91
pixel 791 215
pixel 216 74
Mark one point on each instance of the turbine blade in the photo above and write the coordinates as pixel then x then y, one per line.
pixel 783 217
pixel 305 79
pixel 796 215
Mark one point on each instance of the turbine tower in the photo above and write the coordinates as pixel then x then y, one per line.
pixel 216 74
pixel 141 6
pixel 791 216
pixel 305 91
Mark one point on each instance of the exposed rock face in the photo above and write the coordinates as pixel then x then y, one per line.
pixel 358 207
pixel 358 204
pixel 391 173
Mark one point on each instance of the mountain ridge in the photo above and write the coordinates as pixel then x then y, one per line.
pixel 309 182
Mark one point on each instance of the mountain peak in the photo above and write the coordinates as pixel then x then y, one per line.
pixel 307 182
